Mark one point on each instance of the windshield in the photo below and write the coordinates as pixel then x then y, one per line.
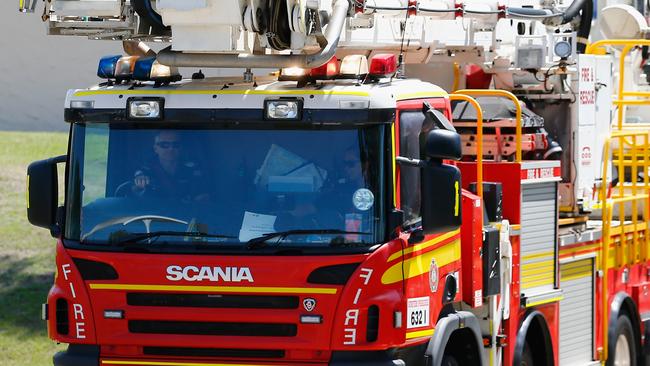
pixel 179 188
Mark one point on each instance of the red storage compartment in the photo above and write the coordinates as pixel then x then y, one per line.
pixel 471 238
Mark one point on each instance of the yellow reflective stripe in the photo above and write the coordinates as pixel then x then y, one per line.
pixel 546 301
pixel 158 363
pixel 576 270
pixel 593 247
pixel 226 289
pixel 425 245
pixel 575 276
pixel 538 277
pixel 537 256
pixel 428 94
pixel 536 265
pixel 420 333
pixel 537 283
pixel 536 271
pixel 220 92
pixel 420 264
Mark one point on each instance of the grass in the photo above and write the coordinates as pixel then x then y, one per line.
pixel 26 253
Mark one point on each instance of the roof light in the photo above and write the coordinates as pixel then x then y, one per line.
pixel 145 108
pixel 149 69
pixel 107 65
pixel 383 65
pixel 125 66
pixel 293 74
pixel 283 109
pixel 354 66
pixel 327 71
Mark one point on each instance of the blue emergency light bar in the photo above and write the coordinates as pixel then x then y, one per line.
pixel 121 68
pixel 149 69
pixel 107 65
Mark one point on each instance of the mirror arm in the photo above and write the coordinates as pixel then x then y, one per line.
pixel 440 122
pixel 58 159
pixel 401 160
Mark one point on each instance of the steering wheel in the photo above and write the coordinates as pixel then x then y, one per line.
pixel 125 220
pixel 126 189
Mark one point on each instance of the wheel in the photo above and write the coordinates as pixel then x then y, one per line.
pixel 623 344
pixel 449 360
pixel 527 356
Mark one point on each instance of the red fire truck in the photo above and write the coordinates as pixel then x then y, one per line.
pixel 345 214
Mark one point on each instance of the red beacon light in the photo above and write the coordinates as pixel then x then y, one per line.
pixel 383 65
pixel 327 71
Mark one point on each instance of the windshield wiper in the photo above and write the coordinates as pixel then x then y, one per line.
pixel 261 242
pixel 136 238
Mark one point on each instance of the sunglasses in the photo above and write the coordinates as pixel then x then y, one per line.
pixel 168 145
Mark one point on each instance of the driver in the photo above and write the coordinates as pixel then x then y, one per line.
pixel 166 175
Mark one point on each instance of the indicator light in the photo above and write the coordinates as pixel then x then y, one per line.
pixel 311 319
pixel 82 104
pixel 113 314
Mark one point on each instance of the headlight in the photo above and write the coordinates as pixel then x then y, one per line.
pixel 145 109
pixel 283 109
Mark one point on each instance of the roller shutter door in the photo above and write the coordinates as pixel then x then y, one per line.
pixel 576 312
pixel 538 237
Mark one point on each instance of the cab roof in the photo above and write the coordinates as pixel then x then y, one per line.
pixel 228 93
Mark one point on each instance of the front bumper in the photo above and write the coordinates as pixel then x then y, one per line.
pixel 86 355
pixel 78 355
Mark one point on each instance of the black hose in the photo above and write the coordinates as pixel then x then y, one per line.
pixel 280 38
pixel 574 9
pixel 531 13
pixel 146 12
pixel 587 14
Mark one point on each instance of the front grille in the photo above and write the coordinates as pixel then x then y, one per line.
pixel 213 301
pixel 212 352
pixel 213 328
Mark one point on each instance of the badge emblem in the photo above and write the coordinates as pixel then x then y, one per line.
pixel 309 304
pixel 433 276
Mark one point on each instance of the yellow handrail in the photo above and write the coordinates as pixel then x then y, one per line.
pixel 627 146
pixel 637 244
pixel 628 45
pixel 502 94
pixel 479 138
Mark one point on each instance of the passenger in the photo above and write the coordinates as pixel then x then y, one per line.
pixel 167 175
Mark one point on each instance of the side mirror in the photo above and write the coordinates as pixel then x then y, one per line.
pixel 43 192
pixel 441 144
pixel 441 198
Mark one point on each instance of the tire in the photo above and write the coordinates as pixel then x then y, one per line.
pixel 527 356
pixel 623 344
pixel 449 360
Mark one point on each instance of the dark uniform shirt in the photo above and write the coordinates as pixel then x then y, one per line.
pixel 186 183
